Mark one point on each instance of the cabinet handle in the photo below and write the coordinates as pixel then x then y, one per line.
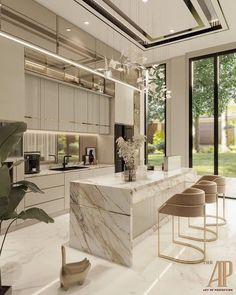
pixel 28 117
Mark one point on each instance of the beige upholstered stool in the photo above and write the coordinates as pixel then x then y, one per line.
pixel 190 203
pixel 210 189
pixel 220 182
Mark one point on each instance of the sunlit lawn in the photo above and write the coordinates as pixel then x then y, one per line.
pixel 155 159
pixel 203 163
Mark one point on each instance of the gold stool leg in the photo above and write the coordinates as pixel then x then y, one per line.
pixel 214 233
pixel 203 251
pixel 204 237
pixel 220 218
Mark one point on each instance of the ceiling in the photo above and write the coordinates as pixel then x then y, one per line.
pixel 158 29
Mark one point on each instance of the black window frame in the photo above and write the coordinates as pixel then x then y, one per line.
pixel 146 121
pixel 215 57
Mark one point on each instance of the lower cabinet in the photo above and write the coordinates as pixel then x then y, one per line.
pixel 52 200
pixel 56 188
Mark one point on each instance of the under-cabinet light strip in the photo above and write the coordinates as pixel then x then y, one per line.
pixel 60 132
pixel 63 59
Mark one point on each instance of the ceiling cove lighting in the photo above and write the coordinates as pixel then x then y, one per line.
pixel 63 59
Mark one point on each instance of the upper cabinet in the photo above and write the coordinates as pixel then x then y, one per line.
pixel 81 110
pixel 124 104
pixel 32 102
pixel 104 115
pixel 66 108
pixel 55 106
pixel 49 105
pixel 93 112
pixel 12 81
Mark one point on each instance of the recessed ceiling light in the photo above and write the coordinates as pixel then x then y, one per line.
pixel 172 31
pixel 145 1
pixel 68 29
pixel 86 23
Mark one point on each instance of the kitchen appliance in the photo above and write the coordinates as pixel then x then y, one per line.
pixel 127 132
pixel 32 162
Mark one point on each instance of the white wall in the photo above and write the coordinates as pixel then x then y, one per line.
pixel 178 108
pixel 12 91
pixel 124 104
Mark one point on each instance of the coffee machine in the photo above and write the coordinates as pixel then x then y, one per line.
pixel 32 162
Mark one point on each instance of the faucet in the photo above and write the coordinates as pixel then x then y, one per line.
pixel 64 160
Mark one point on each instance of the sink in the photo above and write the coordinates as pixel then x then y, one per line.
pixel 68 168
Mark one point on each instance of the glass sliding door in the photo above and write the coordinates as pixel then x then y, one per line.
pixel 203 115
pixel 212 137
pixel 156 117
pixel 227 115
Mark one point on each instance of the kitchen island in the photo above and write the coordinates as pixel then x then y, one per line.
pixel 107 214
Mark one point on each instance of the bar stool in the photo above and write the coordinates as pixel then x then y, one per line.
pixel 190 203
pixel 210 189
pixel 220 182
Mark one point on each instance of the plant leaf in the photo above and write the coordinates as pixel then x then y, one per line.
pixel 3 207
pixel 17 163
pixel 15 197
pixel 11 215
pixel 10 135
pixel 35 213
pixel 30 185
pixel 5 182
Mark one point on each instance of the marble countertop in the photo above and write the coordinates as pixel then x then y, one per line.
pixel 117 181
pixel 47 171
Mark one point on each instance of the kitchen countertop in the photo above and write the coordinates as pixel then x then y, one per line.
pixel 117 181
pixel 47 171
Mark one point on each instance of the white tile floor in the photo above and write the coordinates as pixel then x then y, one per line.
pixel 32 259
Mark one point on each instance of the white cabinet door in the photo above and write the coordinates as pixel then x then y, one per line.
pixel 49 105
pixel 32 101
pixel 81 110
pixel 93 112
pixel 104 123
pixel 124 104
pixel 66 108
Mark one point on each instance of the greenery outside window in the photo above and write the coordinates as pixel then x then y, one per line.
pixel 156 114
pixel 68 145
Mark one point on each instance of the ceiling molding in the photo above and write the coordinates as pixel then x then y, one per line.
pixel 208 16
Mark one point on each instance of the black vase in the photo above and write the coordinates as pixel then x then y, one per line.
pixel 5 290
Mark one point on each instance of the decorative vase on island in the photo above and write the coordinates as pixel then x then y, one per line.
pixel 129 173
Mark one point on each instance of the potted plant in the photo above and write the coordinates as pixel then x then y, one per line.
pixel 11 194
pixel 128 150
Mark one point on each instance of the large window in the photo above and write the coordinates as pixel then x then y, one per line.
pixel 156 114
pixel 52 144
pixel 213 114
pixel 68 145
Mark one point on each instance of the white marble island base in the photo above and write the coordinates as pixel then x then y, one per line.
pixel 107 214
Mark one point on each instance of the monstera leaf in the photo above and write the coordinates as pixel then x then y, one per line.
pixel 10 135
pixel 30 185
pixel 35 213
pixel 11 194
pixel 5 183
